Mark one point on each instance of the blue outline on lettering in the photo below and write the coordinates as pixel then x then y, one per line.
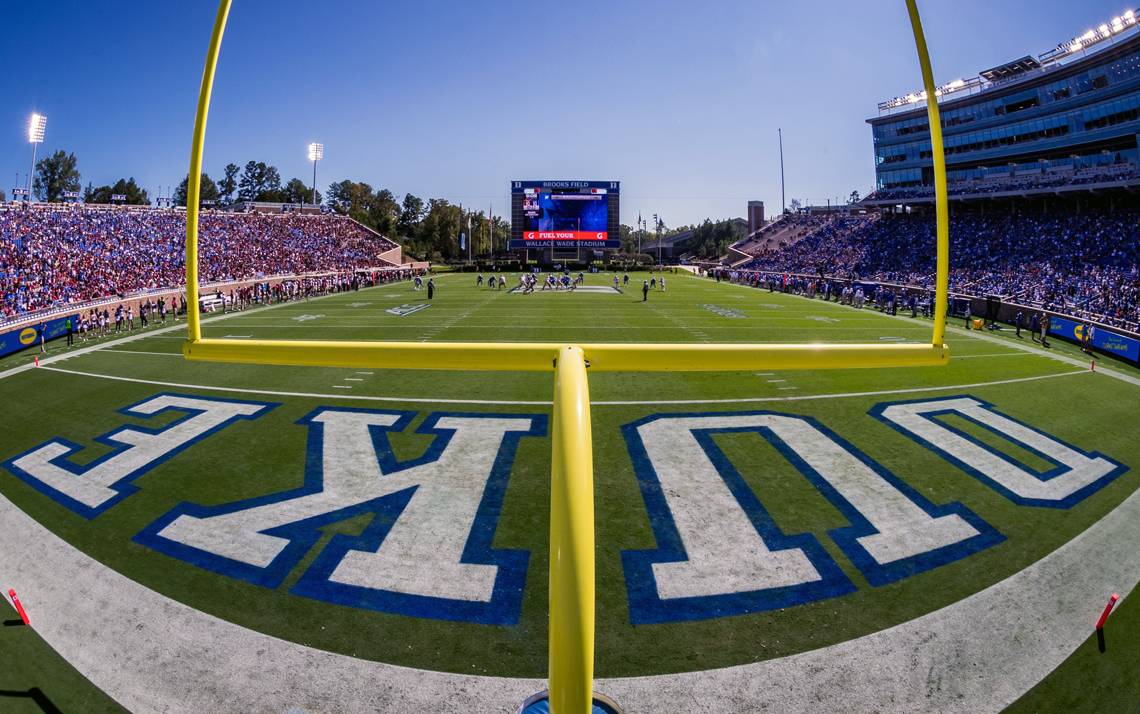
pixel 847 537
pixel 1057 470
pixel 505 605
pixel 125 485
pixel 646 607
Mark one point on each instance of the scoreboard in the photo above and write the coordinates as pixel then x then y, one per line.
pixel 565 214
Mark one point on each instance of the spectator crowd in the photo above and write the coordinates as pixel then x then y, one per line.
pixel 64 255
pixel 1028 181
pixel 1086 265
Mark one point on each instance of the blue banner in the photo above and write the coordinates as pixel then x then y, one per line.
pixel 24 337
pixel 1102 340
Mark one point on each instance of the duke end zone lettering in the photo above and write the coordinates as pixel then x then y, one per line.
pixel 428 549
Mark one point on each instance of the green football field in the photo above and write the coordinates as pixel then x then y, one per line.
pixel 76 396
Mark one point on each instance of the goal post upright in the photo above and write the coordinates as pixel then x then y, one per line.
pixel 571 636
pixel 572 567
pixel 194 176
pixel 941 192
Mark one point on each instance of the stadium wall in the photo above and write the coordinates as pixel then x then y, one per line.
pixel 206 289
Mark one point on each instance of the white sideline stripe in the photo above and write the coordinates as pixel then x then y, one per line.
pixel 423 400
pixel 152 334
pixel 992 354
pixel 986 338
pixel 1108 372
pixel 141 352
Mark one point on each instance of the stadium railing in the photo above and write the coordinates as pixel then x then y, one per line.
pixel 1010 305
pixel 32 318
pixel 571 606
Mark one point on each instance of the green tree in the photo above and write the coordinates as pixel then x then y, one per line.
pixel 297 192
pixel 136 196
pixel 228 185
pixel 411 214
pixel 440 229
pixel 207 191
pixel 260 182
pixel 3 196
pixel 854 197
pixel 384 212
pixel 354 199
pixel 55 175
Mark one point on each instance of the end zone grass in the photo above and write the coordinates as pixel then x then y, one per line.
pixel 77 397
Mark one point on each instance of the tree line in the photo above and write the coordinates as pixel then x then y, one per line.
pixel 428 229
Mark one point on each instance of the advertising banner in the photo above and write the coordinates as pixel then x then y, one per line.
pixel 1103 340
pixel 24 337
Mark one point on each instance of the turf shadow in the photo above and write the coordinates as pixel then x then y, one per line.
pixel 36 695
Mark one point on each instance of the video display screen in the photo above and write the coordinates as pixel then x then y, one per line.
pixel 564 214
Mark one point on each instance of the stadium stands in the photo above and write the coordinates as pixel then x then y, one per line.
pixel 1084 265
pixel 1044 181
pixel 54 255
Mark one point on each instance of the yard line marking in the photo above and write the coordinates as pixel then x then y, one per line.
pixel 774 381
pixel 142 352
pixel 422 400
pixel 237 336
pixel 841 395
pixel 315 395
pixel 364 373
pixel 353 379
pixel 341 386
pixel 784 389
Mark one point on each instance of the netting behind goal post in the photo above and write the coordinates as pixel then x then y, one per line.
pixel 571 606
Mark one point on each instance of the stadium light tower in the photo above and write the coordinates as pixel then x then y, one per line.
pixel 316 153
pixel 37 123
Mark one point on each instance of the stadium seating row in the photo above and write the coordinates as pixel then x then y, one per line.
pixel 56 255
pixel 1083 265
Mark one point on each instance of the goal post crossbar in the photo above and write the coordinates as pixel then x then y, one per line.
pixel 572 543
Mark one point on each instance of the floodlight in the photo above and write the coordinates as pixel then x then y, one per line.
pixel 316 152
pixel 36 125
pixel 1103 29
pixel 1129 15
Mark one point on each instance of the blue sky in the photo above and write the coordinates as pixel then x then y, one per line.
pixel 678 100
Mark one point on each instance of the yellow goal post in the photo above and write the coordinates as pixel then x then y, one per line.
pixel 571 606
